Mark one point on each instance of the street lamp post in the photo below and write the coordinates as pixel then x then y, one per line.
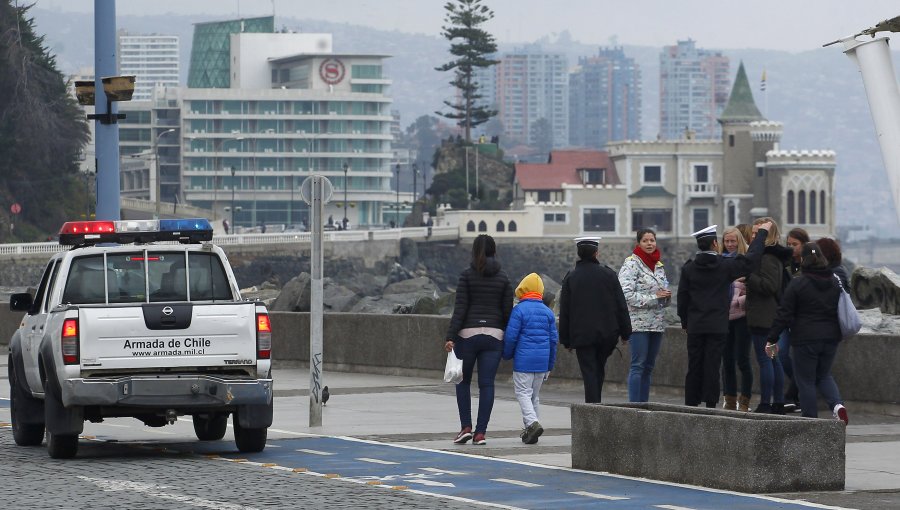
pixel 158 173
pixel 398 195
pixel 232 198
pixel 415 169
pixel 346 185
pixel 216 184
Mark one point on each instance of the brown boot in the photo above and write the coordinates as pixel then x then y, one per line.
pixel 730 403
pixel 743 403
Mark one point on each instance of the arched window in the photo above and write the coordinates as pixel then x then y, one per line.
pixel 812 207
pixel 482 226
pixel 790 207
pixel 822 207
pixel 732 213
pixel 512 226
pixel 470 226
pixel 801 207
pixel 500 226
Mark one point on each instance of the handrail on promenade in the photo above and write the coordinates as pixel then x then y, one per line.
pixel 418 233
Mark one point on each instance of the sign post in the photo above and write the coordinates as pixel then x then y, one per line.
pixel 316 191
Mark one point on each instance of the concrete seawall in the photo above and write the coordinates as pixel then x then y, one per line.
pixel 865 369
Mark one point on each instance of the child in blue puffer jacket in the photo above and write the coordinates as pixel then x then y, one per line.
pixel 530 340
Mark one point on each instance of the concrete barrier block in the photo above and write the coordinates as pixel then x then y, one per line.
pixel 730 450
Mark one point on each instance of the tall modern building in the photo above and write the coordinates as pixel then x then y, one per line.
pixel 694 86
pixel 528 86
pixel 289 112
pixel 152 59
pixel 211 49
pixel 604 99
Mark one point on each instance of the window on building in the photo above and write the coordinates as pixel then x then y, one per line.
pixel 543 196
pixel 593 175
pixel 731 140
pixel 554 217
pixel 366 72
pixel 599 220
pixel 700 218
pixel 513 227
pixel 801 207
pixel 653 174
pixel 790 206
pixel 482 226
pixel 822 207
pixel 657 219
pixel 732 213
pixel 470 226
pixel 701 173
pixel 500 226
pixel 812 207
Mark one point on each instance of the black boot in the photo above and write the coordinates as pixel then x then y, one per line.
pixel 763 409
pixel 778 409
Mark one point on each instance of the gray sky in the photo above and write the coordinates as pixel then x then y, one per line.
pixel 792 25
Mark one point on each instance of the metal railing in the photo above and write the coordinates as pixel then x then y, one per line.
pixel 422 233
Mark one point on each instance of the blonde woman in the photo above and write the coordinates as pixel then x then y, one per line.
pixel 737 343
pixel 764 289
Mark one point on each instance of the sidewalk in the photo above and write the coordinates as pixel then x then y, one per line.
pixel 421 412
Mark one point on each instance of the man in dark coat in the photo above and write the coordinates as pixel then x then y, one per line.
pixel 593 315
pixel 703 308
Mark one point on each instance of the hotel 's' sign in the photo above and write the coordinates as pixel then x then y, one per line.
pixel 332 71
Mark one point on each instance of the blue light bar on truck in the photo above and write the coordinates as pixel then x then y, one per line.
pixel 80 233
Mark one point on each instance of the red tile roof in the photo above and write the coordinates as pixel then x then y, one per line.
pixel 562 168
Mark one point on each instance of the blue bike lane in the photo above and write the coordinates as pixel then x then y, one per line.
pixel 496 482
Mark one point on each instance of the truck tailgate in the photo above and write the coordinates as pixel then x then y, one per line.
pixel 211 335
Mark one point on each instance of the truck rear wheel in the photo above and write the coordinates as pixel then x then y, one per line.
pixel 62 447
pixel 210 427
pixel 249 440
pixel 24 433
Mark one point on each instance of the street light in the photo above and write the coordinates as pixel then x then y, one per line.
pixel 415 168
pixel 346 169
pixel 216 178
pixel 398 195
pixel 158 173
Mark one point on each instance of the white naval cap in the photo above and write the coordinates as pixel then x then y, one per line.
pixel 588 241
pixel 709 231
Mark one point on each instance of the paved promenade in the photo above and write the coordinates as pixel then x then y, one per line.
pixel 421 412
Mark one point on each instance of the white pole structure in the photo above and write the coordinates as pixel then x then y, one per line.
pixel 468 195
pixel 316 309
pixel 874 61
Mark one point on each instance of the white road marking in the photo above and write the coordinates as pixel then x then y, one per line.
pixel 270 445
pixel 430 483
pixel 597 496
pixel 377 461
pixel 313 452
pixel 673 507
pixel 156 491
pixel 442 471
pixel 520 483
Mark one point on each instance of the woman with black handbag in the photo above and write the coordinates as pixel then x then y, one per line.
pixel 809 308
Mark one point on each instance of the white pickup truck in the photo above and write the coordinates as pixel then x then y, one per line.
pixel 150 330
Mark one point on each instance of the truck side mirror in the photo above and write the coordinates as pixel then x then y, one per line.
pixel 21 302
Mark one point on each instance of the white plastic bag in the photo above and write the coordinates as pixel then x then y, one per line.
pixel 848 317
pixel 453 371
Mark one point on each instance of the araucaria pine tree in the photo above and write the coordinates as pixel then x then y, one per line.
pixel 471 47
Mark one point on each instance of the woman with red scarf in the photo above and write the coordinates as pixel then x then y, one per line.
pixel 643 280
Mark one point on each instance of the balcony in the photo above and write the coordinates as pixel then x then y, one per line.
pixel 701 190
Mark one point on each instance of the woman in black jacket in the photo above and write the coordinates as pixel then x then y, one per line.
pixel 809 309
pixel 484 299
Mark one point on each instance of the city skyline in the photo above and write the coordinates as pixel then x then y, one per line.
pixel 790 26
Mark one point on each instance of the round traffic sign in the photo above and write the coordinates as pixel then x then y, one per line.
pixel 306 189
pixel 15 208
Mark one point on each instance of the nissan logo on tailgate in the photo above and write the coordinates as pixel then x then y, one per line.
pixel 168 310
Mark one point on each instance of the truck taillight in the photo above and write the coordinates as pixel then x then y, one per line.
pixel 263 336
pixel 70 342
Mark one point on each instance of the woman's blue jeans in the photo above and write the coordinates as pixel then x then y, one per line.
pixel 486 351
pixel 771 375
pixel 644 347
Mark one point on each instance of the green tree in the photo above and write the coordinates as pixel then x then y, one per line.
pixel 42 131
pixel 471 47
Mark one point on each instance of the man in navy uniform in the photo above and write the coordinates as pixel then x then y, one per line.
pixel 593 315
pixel 703 308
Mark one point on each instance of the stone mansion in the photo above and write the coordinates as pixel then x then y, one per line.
pixel 673 186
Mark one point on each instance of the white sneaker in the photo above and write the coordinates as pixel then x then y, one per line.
pixel 840 413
